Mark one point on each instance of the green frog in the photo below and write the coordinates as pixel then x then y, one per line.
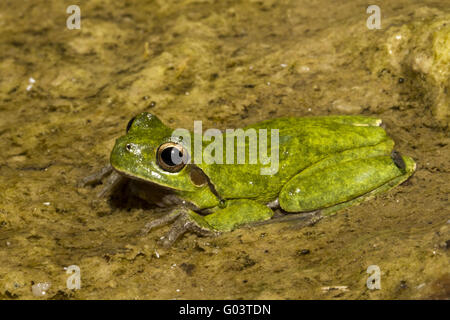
pixel 325 164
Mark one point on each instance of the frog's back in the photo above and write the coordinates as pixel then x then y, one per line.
pixel 292 123
pixel 301 142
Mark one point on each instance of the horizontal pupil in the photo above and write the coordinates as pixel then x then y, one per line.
pixel 170 156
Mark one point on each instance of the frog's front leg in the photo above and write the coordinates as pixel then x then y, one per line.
pixel 96 177
pixel 113 180
pixel 184 220
pixel 233 215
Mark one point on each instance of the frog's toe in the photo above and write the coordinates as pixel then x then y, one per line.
pixel 185 220
pixel 113 181
pixel 182 225
pixel 166 219
pixel 96 177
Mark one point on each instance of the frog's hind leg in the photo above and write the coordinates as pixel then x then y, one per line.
pixel 345 179
pixel 310 218
pixel 383 188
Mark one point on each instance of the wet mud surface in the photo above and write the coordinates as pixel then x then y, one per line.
pixel 66 95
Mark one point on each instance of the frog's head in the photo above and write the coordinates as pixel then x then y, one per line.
pixel 148 152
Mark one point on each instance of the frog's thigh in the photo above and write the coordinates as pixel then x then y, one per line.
pixel 236 213
pixel 343 183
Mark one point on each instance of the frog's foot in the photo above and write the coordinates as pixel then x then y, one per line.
pixel 96 177
pixel 113 180
pixel 184 220
pixel 234 214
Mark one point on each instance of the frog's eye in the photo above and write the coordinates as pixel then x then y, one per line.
pixel 130 123
pixel 171 157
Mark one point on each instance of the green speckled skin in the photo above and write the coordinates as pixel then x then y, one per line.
pixel 325 163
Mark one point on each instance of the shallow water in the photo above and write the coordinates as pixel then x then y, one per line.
pixel 229 64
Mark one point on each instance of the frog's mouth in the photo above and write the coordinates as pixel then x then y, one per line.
pixel 132 177
pixel 165 196
pixel 154 193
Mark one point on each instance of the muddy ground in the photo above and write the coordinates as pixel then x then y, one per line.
pixel 66 95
